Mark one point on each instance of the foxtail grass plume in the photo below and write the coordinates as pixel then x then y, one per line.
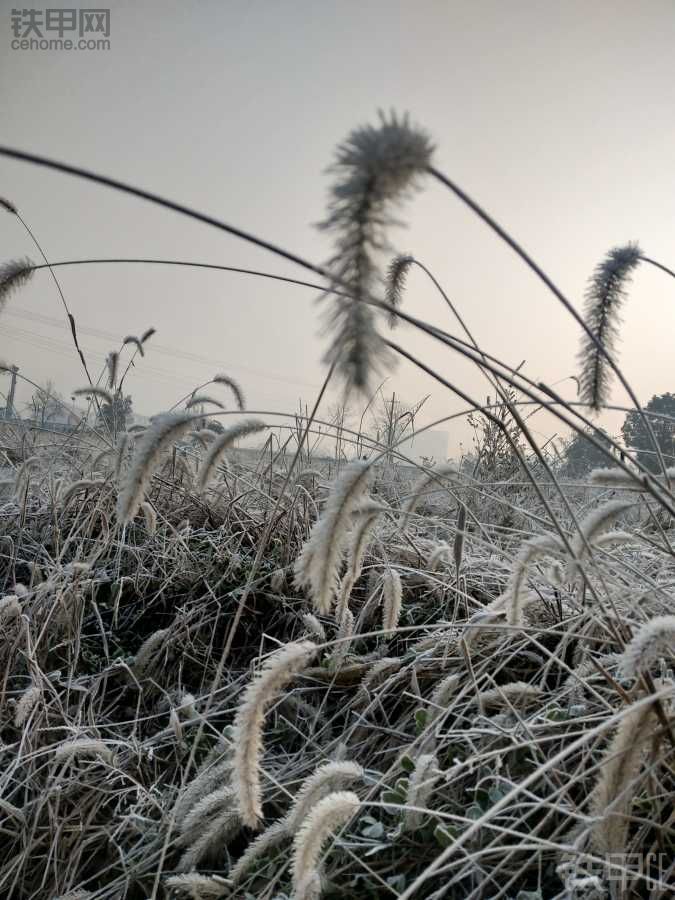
pixel 8 205
pixel 13 276
pixel 392 597
pixel 95 391
pixel 149 651
pixel 395 284
pixel 137 342
pixel 515 693
pixel 612 796
pixel 213 772
pixel 26 703
pixel 211 839
pixel 318 565
pixel 530 551
pixel 83 746
pixel 198 887
pixel 234 387
pixel 150 516
pixel 376 167
pixel 325 818
pixel 656 638
pixel 84 484
pixel 368 513
pixel 604 297
pixel 218 447
pixel 112 362
pixel 617 479
pixel 426 483
pixel 438 554
pixel 10 608
pixel 266 841
pixel 590 528
pixel 329 777
pixel 198 399
pixel 420 788
pixel 249 720
pixel 155 440
pixel 314 627
pixel 120 451
pixel 208 827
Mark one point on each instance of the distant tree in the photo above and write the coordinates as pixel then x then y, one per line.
pixel 114 416
pixel 636 435
pixel 580 456
pixel 497 440
pixel 45 403
pixel 391 421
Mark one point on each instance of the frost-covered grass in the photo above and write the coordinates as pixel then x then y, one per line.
pixel 283 676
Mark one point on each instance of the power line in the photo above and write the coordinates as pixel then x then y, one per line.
pixel 163 349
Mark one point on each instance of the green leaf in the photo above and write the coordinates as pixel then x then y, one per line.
pixel 483 798
pixel 445 835
pixel 373 831
pixel 420 720
pixel 401 787
pixel 407 764
pixel 496 793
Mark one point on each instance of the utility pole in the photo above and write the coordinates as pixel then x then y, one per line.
pixel 9 408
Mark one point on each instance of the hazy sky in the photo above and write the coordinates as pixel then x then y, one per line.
pixel 557 117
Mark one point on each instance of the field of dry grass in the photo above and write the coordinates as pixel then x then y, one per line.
pixel 267 676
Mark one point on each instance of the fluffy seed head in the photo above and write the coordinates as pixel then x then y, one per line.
pixel 218 447
pixel 392 594
pixel 591 527
pixel 26 703
pixel 94 391
pixel 198 887
pixel 10 608
pixel 14 275
pixel 8 205
pixel 395 283
pixel 325 818
pixel 234 387
pixel 112 362
pixel 612 797
pixel 375 168
pixel 427 483
pixel 604 297
pixel 420 788
pixel 198 399
pixel 82 747
pixel 155 440
pixel 317 567
pixel 248 725
pixel 654 639
pixel 327 778
pixel 530 551
pixel 137 342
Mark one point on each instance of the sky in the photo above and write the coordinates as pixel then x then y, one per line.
pixel 556 117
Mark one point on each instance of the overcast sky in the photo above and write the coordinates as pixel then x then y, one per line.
pixel 557 117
